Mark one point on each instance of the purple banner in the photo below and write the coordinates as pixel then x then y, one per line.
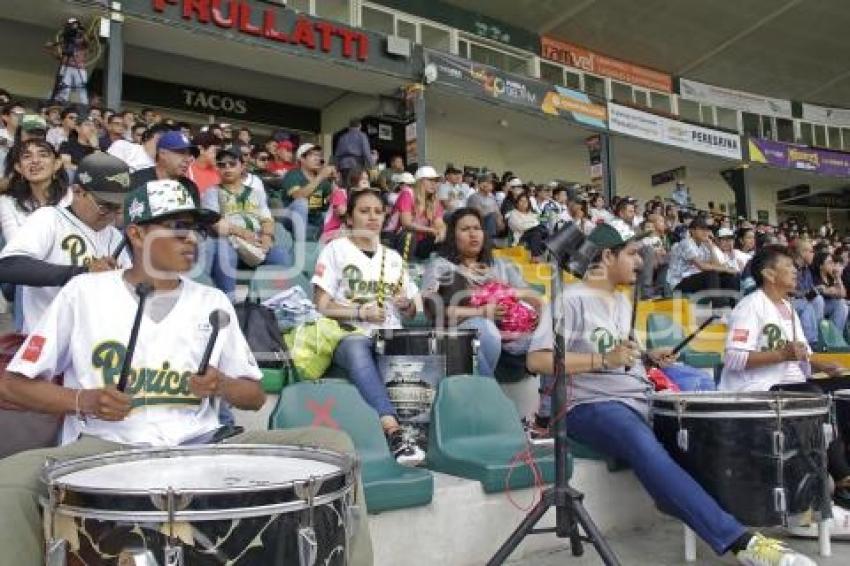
pixel 800 157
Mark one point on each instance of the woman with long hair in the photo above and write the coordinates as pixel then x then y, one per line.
pixel 466 262
pixel 366 284
pixel 829 285
pixel 421 216
pixel 526 227
pixel 745 247
pixel 355 179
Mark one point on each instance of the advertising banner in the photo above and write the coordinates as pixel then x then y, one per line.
pixel 663 130
pixel 802 158
pixel 734 99
pixel 484 81
pixel 586 60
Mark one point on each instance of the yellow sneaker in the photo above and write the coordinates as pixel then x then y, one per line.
pixel 763 551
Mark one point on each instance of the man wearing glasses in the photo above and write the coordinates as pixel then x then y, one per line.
pixel 57 243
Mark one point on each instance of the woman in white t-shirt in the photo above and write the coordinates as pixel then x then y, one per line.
pixel 745 246
pixel 359 281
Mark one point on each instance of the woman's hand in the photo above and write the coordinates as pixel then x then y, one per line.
pixel 372 313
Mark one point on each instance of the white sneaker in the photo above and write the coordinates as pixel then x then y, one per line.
pixel 763 551
pixel 839 526
pixel 405 451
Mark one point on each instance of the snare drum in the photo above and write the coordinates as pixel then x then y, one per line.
pixel 201 505
pixel 412 363
pixel 762 456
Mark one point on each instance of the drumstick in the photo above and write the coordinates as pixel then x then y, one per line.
pixel 687 340
pixel 120 248
pixel 635 301
pixel 218 319
pixel 142 290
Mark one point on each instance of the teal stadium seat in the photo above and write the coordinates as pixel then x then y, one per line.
pixel 337 404
pixel 476 433
pixel 662 332
pixel 830 339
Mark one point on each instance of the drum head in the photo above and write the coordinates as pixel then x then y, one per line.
pixel 712 404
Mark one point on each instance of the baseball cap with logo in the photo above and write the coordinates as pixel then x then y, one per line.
pixel 426 172
pixel 164 198
pixel 612 234
pixel 105 175
pixel 176 141
pixel 33 122
pixel 306 148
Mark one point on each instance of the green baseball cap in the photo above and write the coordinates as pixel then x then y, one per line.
pixel 612 234
pixel 164 198
pixel 33 122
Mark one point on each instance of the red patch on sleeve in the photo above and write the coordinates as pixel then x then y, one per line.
pixel 740 335
pixel 320 269
pixel 32 351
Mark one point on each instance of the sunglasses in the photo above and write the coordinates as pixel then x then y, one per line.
pixel 182 228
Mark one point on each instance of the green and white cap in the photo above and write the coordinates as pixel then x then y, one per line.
pixel 612 234
pixel 164 198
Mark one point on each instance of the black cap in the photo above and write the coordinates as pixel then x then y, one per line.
pixel 452 170
pixel 485 176
pixel 231 151
pixel 105 175
pixel 700 221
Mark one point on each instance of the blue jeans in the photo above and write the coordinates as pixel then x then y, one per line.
pixel 613 428
pixel 295 219
pixel 222 261
pixel 836 311
pixel 810 313
pixel 354 355
pixel 490 343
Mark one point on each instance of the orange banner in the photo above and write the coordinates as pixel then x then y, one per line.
pixel 586 60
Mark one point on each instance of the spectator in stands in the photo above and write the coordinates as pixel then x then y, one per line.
pixel 357 180
pixel 808 303
pixel 246 229
pixel 32 127
pixel 693 267
pixel 129 118
pixel 725 249
pixel 421 215
pixel 626 210
pixel 526 228
pixel 283 157
pixel 828 284
pixel 357 280
pixel 174 154
pixel 385 178
pixel 141 155
pixel 556 210
pixel 244 137
pixel 259 161
pixel 681 194
pixel 203 169
pixel 306 190
pixel 487 206
pixel 115 129
pixel 745 246
pixel 403 188
pixel 353 149
pixel 514 188
pixel 466 261
pixel 453 193
pixel 10 118
pixel 57 135
pixel 150 116
pixel 654 229
pixel 81 142
pixel 541 197
pixel 598 211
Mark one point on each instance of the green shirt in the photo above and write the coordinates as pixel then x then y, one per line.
pixel 317 202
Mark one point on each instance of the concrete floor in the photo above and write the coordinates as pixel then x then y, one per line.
pixel 663 546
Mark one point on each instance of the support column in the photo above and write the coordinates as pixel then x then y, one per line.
pixel 115 57
pixel 609 177
pixel 737 180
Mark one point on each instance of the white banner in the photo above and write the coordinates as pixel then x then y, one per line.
pixel 734 99
pixel 825 115
pixel 672 132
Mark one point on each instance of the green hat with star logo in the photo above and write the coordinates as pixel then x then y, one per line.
pixel 164 198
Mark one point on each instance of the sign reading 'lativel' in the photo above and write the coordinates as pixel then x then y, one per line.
pixel 272 24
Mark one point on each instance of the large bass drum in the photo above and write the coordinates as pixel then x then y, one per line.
pixel 196 506
pixel 762 456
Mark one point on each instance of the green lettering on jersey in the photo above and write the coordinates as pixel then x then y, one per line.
pixel 358 289
pixel 603 339
pixel 76 248
pixel 773 336
pixel 147 386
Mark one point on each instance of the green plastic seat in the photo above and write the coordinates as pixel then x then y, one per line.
pixel 309 254
pixel 337 404
pixel 476 433
pixel 662 332
pixel 830 339
pixel 273 379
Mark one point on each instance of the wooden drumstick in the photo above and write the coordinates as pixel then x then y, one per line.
pixel 142 290
pixel 635 301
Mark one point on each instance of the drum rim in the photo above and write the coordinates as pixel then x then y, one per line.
pixel 843 394
pixel 52 480
pixel 438 332
pixel 664 404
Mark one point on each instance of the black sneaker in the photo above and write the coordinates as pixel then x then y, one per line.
pixel 405 452
pixel 538 433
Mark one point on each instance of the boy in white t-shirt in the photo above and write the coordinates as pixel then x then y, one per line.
pixel 166 403
pixel 56 243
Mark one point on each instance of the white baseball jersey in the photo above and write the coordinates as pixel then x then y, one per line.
pixel 84 335
pixel 351 278
pixel 53 234
pixel 757 324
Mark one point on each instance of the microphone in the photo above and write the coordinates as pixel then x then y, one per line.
pixel 142 291
pixel 218 319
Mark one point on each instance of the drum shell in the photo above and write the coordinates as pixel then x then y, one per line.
pixel 456 345
pixel 841 403
pixel 105 524
pixel 732 450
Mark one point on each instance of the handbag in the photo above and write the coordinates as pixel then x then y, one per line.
pixel 250 254
pixel 312 345
pixel 259 325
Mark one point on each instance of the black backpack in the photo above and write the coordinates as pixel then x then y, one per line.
pixel 259 325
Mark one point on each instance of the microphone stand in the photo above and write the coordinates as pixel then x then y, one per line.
pixel 569 509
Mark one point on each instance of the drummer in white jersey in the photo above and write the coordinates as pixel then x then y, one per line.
pixel 360 281
pixel 59 242
pixel 83 335
pixel 608 405
pixel 767 350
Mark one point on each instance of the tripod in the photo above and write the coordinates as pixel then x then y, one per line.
pixel 569 510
